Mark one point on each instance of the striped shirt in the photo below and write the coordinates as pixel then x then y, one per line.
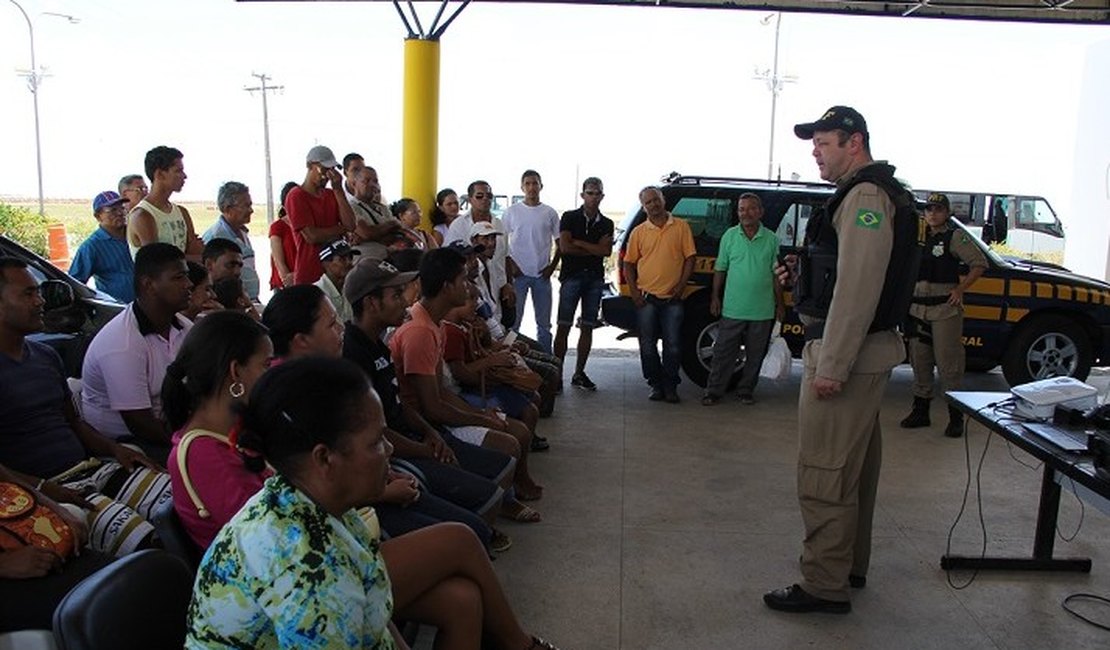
pixel 108 261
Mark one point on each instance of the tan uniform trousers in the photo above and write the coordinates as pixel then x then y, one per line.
pixel 840 453
pixel 945 351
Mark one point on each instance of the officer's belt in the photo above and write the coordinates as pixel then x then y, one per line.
pixel 930 301
pixel 814 331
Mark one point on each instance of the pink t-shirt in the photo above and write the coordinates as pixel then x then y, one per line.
pixel 317 210
pixel 417 349
pixel 220 480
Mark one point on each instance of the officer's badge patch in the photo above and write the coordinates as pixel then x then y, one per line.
pixel 938 250
pixel 869 218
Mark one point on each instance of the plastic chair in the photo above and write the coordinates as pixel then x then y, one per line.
pixel 136 603
pixel 172 533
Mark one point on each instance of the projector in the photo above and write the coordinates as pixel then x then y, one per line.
pixel 1038 400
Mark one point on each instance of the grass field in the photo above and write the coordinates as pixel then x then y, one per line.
pixel 76 215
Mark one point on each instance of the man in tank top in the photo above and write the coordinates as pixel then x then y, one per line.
pixel 155 218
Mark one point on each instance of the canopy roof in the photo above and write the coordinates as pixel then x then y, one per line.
pixel 1043 11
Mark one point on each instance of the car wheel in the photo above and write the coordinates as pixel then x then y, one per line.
pixel 699 332
pixel 1048 346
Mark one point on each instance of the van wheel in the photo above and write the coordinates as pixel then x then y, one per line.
pixel 699 331
pixel 1047 346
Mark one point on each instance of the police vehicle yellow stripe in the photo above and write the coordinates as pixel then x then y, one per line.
pixel 1063 292
pixel 1044 290
pixel 1021 288
pixel 1082 294
pixel 1014 314
pixel 988 286
pixel 979 312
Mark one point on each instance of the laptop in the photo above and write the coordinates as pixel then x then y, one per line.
pixel 1068 440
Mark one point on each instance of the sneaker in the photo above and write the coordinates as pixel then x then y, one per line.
pixel 499 542
pixel 580 380
pixel 671 395
pixel 539 443
pixel 745 398
pixel 656 395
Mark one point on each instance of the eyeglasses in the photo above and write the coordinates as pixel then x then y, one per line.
pixel 136 189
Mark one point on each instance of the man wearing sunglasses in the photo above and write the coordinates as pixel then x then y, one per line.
pixel 585 240
pixel 480 197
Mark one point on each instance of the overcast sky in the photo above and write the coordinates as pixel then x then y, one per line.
pixel 627 94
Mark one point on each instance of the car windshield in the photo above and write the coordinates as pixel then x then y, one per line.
pixel 993 256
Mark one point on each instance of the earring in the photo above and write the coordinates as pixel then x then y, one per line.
pixel 236 389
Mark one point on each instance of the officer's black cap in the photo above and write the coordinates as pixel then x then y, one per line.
pixel 843 118
pixel 936 198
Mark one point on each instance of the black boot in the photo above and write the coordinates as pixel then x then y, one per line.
pixel 919 416
pixel 955 427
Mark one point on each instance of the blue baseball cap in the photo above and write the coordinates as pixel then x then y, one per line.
pixel 106 200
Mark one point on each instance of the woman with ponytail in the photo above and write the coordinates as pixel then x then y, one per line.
pixel 214 469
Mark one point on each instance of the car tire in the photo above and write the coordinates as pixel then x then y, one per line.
pixel 1047 346
pixel 699 331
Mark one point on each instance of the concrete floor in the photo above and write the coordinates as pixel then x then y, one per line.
pixel 664 525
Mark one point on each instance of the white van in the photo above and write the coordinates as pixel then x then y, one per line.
pixel 1027 224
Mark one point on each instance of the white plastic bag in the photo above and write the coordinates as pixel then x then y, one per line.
pixel 776 365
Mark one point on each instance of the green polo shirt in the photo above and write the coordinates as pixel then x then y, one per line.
pixel 749 264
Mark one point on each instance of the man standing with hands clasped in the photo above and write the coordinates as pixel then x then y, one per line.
pixel 752 301
pixel 658 261
pixel 855 280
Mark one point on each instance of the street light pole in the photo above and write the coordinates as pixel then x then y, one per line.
pixel 774 84
pixel 264 89
pixel 33 79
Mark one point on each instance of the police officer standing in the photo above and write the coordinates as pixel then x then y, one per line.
pixel 854 284
pixel 937 315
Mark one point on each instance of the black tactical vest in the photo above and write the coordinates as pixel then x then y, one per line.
pixel 938 264
pixel 817 272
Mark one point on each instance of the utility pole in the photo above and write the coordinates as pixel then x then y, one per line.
pixel 264 89
pixel 774 84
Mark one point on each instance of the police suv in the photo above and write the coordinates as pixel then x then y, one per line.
pixel 1034 320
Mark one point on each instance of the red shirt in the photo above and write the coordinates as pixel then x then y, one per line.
pixel 417 349
pixel 317 210
pixel 281 228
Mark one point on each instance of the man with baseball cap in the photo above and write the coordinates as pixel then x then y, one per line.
pixel 854 283
pixel 104 256
pixel 937 314
pixel 336 258
pixel 317 217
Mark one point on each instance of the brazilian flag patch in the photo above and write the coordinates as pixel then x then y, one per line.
pixel 869 218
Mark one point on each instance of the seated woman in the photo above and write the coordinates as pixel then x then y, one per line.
pixel 202 299
pixel 298 568
pixel 34 580
pixel 213 476
pixel 407 211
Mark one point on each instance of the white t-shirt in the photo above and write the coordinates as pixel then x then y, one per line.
pixel 532 229
pixel 460 231
pixel 124 369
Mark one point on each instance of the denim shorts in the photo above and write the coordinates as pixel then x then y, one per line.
pixel 585 288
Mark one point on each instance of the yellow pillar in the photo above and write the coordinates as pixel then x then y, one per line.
pixel 420 147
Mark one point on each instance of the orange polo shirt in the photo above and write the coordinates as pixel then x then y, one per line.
pixel 658 253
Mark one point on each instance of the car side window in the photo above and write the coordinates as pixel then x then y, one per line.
pixel 710 217
pixel 792 229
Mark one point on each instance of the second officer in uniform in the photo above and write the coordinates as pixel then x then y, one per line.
pixel 937 316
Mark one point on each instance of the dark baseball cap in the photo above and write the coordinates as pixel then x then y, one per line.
pixel 465 249
pixel 844 118
pixel 936 198
pixel 370 274
pixel 337 247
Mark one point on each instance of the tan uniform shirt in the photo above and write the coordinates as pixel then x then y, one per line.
pixel 865 237
pixel 964 250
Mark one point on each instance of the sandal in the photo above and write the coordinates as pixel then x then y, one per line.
pixel 524 515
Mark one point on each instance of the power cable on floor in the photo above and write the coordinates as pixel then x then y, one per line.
pixel 1066 604
pixel 963 504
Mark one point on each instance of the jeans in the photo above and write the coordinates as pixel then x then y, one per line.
pixel 541 305
pixel 660 317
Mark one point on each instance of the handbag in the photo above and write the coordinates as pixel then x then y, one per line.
pixel 26 522
pixel 777 362
pixel 519 376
